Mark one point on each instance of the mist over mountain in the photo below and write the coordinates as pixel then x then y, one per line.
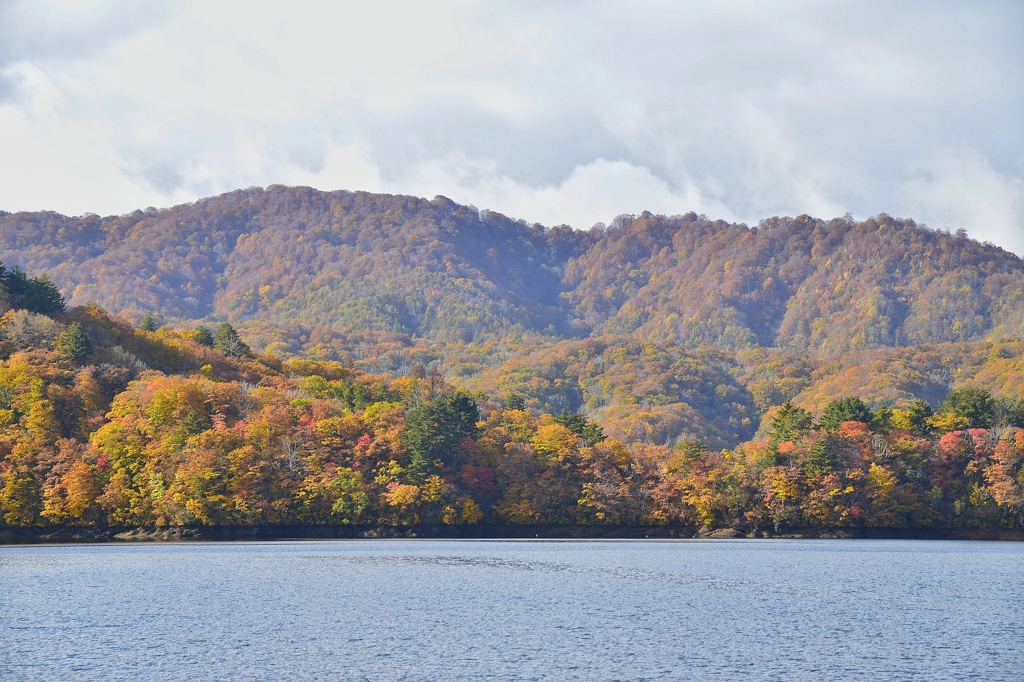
pixel 445 273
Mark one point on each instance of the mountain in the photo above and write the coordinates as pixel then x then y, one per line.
pixel 403 361
pixel 351 262
pixel 659 327
pixel 798 284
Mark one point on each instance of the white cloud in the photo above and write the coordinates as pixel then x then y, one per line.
pixel 592 193
pixel 554 112
pixel 343 167
pixel 955 188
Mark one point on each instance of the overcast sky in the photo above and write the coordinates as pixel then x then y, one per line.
pixel 556 112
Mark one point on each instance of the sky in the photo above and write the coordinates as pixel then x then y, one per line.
pixel 555 112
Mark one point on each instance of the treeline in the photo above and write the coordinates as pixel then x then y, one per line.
pixel 153 427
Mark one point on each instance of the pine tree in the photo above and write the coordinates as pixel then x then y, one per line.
pixel 515 401
pixel 35 294
pixel 822 456
pixel 147 324
pixel 203 336
pixel 581 426
pixel 790 422
pixel 43 296
pixel 433 431
pixel 228 342
pixel 974 404
pixel 74 344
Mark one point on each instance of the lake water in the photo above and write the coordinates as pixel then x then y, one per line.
pixel 545 610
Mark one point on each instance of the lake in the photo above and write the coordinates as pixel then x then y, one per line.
pixel 543 610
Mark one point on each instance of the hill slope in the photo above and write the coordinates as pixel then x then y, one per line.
pixel 446 273
pixel 295 255
pixel 104 425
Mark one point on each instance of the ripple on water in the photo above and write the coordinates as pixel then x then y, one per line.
pixel 413 610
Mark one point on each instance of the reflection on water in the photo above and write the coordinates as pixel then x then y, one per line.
pixel 590 610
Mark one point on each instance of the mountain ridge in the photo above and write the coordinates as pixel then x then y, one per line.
pixel 447 273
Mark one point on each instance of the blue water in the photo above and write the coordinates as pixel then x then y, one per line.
pixel 433 610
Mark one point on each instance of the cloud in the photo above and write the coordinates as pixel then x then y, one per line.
pixel 554 112
pixel 955 188
pixel 592 193
pixel 70 30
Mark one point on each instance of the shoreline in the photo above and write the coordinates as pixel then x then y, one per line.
pixel 22 536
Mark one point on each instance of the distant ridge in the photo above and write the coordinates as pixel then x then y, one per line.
pixel 439 271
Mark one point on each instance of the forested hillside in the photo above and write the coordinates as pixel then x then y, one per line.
pixel 293 356
pixel 346 261
pixel 105 425
pixel 353 262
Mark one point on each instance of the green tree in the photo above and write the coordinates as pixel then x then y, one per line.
pixel 74 344
pixel 849 409
pixel 43 296
pixel 433 431
pixel 356 396
pixel 515 401
pixel 881 419
pixel 914 418
pixel 589 431
pixel 35 294
pixel 790 422
pixel 147 324
pixel 686 452
pixel 203 336
pixel 822 457
pixel 973 404
pixel 1009 412
pixel 228 342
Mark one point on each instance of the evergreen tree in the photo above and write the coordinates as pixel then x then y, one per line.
pixel 203 336
pixel 16 282
pixel 433 431
pixel 356 396
pixel 573 421
pixel 686 452
pixel 35 294
pixel 1009 412
pixel 918 415
pixel 851 409
pixel 589 431
pixel 228 342
pixel 515 401
pixel 74 344
pixel 147 324
pixel 881 418
pixel 43 296
pixel 822 456
pixel 974 404
pixel 593 433
pixel 790 422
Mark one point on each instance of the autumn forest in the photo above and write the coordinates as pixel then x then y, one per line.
pixel 290 356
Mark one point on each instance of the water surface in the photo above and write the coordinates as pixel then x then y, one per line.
pixel 547 610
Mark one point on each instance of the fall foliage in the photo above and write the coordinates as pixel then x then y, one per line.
pixel 349 358
pixel 162 430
